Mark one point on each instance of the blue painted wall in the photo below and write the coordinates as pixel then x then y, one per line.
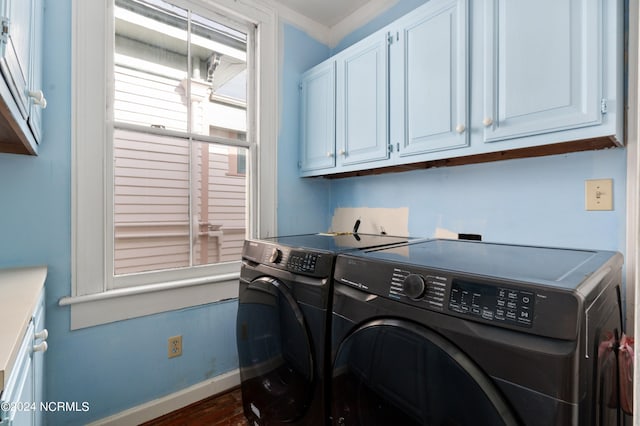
pixel 525 201
pixel 300 52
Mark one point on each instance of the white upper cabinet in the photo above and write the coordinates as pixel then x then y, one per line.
pixel 21 95
pixel 457 81
pixel 430 96
pixel 318 119
pixel 361 102
pixel 16 50
pixel 344 110
pixel 37 101
pixel 543 67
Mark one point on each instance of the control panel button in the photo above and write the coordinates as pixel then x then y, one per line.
pixel 276 255
pixel 413 286
pixel 420 289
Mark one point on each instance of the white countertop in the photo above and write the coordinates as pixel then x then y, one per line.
pixel 19 292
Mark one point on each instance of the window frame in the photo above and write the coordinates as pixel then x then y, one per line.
pixel 93 299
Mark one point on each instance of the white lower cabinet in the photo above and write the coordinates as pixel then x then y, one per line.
pixel 39 348
pixel 21 399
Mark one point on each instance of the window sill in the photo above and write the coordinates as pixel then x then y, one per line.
pixel 127 303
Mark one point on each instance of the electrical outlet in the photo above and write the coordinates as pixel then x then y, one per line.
pixel 598 194
pixel 175 346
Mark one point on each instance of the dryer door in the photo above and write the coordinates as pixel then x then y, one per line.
pixel 274 349
pixel 396 372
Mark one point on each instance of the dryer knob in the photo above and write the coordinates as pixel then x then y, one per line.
pixel 413 286
pixel 276 255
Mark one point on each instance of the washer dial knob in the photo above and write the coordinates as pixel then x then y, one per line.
pixel 275 256
pixel 413 286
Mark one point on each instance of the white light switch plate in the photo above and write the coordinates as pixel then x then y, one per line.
pixel 598 194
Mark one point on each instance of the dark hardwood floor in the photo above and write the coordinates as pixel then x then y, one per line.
pixel 219 410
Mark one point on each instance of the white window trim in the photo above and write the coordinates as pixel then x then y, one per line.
pixel 90 301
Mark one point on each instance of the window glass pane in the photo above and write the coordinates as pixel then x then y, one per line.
pixel 151 64
pixel 220 204
pixel 177 202
pixel 219 78
pixel 151 202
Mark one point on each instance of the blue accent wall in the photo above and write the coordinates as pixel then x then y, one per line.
pixel 524 201
pixel 302 203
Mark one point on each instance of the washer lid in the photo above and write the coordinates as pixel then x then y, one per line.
pixel 565 268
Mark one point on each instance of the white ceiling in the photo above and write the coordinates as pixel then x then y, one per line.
pixel 325 12
pixel 330 20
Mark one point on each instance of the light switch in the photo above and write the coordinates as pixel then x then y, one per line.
pixel 598 194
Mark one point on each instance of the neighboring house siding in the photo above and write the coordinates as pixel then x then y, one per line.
pixel 152 175
pixel 142 98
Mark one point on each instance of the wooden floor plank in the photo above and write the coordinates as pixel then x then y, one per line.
pixel 219 410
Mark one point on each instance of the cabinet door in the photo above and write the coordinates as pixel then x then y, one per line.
pixel 362 102
pixel 24 415
pixel 542 69
pixel 15 49
pixel 19 390
pixel 318 118
pixel 39 348
pixel 431 62
pixel 36 105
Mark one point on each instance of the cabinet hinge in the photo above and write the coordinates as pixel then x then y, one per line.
pixel 389 38
pixel 4 35
pixel 603 106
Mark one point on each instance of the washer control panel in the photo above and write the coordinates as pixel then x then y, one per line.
pixel 302 262
pixel 492 303
pixel 298 261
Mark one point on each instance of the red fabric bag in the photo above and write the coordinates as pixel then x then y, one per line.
pixel 625 364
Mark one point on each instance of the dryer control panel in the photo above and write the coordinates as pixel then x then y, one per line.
pixel 526 307
pixel 440 291
pixel 492 303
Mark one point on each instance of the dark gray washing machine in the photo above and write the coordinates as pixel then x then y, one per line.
pixel 283 322
pixel 448 332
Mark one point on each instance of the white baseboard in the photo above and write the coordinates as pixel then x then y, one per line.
pixel 161 406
